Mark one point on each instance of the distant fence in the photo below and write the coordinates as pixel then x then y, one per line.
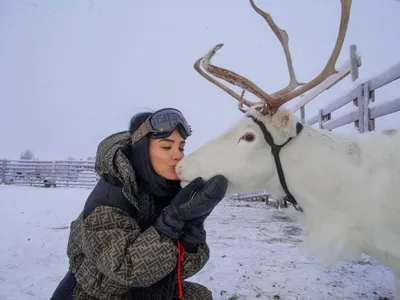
pixel 262 196
pixel 48 173
pixel 362 96
pixel 254 196
pixel 69 174
pixel 78 174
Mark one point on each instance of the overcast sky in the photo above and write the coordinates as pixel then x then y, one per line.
pixel 73 72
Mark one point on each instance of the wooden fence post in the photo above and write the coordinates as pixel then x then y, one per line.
pixel 321 119
pixel 303 114
pixel 365 103
pixel 3 173
pixel 53 173
pixel 355 62
pixel 360 102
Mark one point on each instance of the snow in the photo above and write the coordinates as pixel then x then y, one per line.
pixel 256 252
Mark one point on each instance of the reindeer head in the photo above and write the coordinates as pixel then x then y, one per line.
pixel 242 154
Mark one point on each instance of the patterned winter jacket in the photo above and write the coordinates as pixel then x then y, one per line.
pixel 108 252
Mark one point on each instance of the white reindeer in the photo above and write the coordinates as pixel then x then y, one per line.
pixel 346 185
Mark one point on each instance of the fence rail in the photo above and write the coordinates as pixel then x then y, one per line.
pixel 362 96
pixel 48 173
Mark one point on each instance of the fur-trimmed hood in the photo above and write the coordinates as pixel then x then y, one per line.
pixel 111 159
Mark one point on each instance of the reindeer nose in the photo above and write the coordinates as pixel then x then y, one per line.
pixel 188 169
pixel 179 169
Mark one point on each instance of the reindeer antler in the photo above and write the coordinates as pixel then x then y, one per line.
pixel 271 102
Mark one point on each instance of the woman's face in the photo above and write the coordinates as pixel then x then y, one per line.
pixel 166 153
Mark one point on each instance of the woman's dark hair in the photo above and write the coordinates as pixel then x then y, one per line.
pixel 139 156
pixel 137 120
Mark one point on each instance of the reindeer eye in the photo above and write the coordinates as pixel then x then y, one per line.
pixel 249 137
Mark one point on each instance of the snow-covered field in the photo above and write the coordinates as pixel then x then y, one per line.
pixel 255 252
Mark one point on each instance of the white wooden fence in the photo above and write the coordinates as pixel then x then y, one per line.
pixel 48 173
pixel 363 115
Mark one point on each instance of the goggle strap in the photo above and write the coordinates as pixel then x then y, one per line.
pixel 139 133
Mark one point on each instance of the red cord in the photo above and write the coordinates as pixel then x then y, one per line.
pixel 181 254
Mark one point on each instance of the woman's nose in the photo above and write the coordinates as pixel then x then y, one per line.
pixel 178 155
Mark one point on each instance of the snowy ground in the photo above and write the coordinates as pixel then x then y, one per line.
pixel 255 252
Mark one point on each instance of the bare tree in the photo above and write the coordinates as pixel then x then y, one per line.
pixel 27 155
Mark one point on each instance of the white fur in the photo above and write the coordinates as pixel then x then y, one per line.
pixel 348 185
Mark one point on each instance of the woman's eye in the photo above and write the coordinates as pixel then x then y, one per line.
pixel 249 137
pixel 166 148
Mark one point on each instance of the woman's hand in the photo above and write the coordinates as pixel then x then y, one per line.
pixel 195 200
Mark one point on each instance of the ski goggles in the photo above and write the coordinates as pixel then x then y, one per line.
pixel 162 123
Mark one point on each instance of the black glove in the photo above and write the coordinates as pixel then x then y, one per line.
pixel 168 222
pixel 194 235
pixel 193 201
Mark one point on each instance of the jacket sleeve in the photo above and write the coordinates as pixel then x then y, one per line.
pixel 124 253
pixel 194 262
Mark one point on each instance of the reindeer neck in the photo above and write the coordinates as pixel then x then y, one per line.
pixel 318 163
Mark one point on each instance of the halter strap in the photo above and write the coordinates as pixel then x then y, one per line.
pixel 275 149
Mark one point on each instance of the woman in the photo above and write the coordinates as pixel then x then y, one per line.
pixel 140 235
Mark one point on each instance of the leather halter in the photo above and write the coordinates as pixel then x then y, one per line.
pixel 275 149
